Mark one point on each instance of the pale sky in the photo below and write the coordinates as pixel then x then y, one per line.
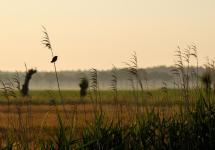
pixel 100 33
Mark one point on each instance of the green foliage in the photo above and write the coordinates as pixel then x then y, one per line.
pixel 63 139
pixel 102 135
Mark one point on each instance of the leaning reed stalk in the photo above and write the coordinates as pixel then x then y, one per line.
pixel 181 71
pixel 132 66
pixel 195 55
pixel 114 88
pixel 95 88
pixel 46 41
pixel 186 56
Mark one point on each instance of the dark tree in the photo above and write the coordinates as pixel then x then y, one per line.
pixel 25 86
pixel 83 87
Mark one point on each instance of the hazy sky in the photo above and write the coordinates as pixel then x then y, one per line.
pixel 99 33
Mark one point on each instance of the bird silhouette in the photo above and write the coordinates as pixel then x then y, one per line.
pixel 54 59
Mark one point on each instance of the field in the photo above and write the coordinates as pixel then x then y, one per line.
pixel 43 105
pixel 40 121
pixel 156 97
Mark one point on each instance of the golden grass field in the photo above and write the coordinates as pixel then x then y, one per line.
pixel 43 110
pixel 45 115
pixel 35 119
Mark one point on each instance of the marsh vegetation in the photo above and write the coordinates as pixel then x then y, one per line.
pixel 177 117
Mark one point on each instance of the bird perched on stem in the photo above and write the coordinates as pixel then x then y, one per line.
pixel 54 59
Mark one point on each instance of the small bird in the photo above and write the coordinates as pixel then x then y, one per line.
pixel 54 59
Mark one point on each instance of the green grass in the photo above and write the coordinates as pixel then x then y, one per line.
pixel 152 97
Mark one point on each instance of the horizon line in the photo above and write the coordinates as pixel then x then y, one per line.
pixel 104 69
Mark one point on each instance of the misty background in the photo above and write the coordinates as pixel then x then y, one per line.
pixel 152 78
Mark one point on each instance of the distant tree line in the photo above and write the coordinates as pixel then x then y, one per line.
pixel 71 79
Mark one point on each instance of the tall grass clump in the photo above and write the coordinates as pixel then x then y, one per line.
pixel 184 73
pixel 114 84
pixel 95 91
pixel 135 79
pixel 102 134
pixel 8 92
pixel 114 89
pixel 20 132
pixel 207 80
pixel 63 138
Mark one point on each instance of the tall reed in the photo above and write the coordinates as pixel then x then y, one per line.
pixel 134 78
pixel 47 43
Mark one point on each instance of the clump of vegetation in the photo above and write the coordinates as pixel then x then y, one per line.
pixel 84 83
pixel 25 86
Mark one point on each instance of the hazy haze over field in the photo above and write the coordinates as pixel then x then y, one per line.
pixel 99 33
